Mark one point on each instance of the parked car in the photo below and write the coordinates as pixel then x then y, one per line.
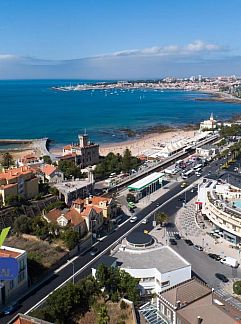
pixel 172 241
pixel 177 236
pixel 214 256
pixel 231 262
pixel 183 185
pixel 189 242
pixel 133 219
pixel 11 308
pixel 144 221
pixel 94 251
pixel 198 247
pixel 221 277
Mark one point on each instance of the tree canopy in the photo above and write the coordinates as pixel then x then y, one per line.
pixel 115 163
pixel 7 160
pixel 70 169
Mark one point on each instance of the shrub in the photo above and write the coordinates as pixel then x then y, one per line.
pixel 123 305
pixel 237 287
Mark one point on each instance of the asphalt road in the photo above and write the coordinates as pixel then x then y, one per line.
pixel 206 270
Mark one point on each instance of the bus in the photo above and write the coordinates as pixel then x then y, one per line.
pixel 198 166
pixel 188 174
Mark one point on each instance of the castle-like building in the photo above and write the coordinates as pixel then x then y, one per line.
pixel 85 153
pixel 210 124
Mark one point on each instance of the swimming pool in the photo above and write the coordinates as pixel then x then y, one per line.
pixel 237 204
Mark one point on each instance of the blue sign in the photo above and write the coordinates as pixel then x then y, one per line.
pixel 8 268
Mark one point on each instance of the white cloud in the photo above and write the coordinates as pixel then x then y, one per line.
pixel 7 57
pixel 193 48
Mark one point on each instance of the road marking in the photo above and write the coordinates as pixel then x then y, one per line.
pixel 103 252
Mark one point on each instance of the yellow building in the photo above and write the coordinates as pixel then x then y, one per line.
pixel 18 181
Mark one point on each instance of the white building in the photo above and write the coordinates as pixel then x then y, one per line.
pixel 207 151
pixel 158 267
pixel 13 289
pixel 220 202
pixel 210 124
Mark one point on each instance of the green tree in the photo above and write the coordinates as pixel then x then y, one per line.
pixel 71 238
pixel 47 159
pixel 14 200
pixel 57 204
pixel 237 287
pixel 161 218
pixel 70 169
pixel 103 317
pixel 130 198
pixel 7 160
pixel 23 224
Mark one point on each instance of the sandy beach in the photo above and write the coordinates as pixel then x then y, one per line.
pixel 137 146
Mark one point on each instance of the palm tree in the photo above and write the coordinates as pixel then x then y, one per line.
pixel 161 218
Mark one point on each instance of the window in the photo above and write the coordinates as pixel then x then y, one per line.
pixel 21 276
pixel 22 265
pixel 11 284
pixel 162 308
pixel 165 283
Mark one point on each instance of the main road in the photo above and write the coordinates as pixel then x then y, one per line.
pixel 205 269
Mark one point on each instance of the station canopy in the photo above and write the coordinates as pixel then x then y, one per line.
pixel 146 182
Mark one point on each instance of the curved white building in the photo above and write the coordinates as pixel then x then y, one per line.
pixel 158 267
pixel 220 201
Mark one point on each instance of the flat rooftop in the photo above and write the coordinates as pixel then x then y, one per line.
pixel 163 258
pixel 69 186
pixel 7 252
pixel 145 182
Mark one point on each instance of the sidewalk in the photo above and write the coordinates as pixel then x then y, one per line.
pixel 189 228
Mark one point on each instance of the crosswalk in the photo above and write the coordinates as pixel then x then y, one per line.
pixel 171 233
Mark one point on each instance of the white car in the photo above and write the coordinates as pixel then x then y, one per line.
pixel 144 221
pixel 133 219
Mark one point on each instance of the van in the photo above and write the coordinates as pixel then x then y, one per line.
pixel 231 262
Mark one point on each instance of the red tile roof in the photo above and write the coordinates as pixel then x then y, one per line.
pixel 48 169
pixel 15 172
pixel 4 253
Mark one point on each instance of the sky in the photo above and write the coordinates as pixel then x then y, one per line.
pixel 111 39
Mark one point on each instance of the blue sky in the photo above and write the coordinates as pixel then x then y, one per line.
pixel 117 39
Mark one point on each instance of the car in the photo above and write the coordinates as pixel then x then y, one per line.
pixel 214 256
pixel 189 242
pixel 183 185
pixel 198 174
pixel 221 277
pixel 132 210
pixel 94 251
pixel 198 247
pixel 192 190
pixel 133 219
pixel 177 236
pixel 144 221
pixel 11 308
pixel 157 204
pixel 172 241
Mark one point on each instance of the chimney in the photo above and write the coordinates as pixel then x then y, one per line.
pixel 178 304
pixel 199 320
pixel 87 200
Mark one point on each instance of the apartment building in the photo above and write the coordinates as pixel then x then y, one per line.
pixel 12 289
pixel 18 181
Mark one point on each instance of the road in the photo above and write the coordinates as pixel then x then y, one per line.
pixel 205 271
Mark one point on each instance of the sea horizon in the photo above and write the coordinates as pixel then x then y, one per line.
pixel 31 109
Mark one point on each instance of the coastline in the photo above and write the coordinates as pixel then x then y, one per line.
pixel 147 141
pixel 219 97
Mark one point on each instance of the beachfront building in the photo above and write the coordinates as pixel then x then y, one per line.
pixel 157 267
pixel 220 201
pixel 190 302
pixel 210 124
pixel 207 151
pixel 147 185
pixel 84 153
pixel 12 289
pixel 18 181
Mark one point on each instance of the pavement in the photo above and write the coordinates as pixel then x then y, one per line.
pixel 202 265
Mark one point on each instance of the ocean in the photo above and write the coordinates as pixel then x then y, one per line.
pixel 31 109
